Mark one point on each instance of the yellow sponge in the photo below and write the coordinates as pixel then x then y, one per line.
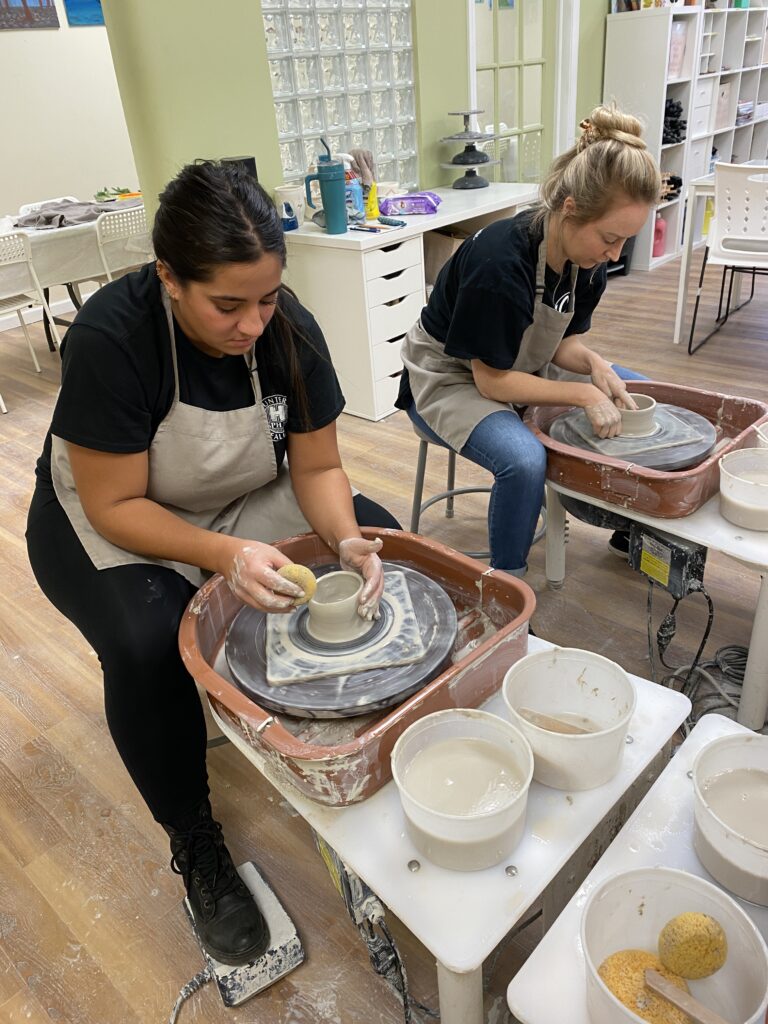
pixel 624 975
pixel 693 945
pixel 303 577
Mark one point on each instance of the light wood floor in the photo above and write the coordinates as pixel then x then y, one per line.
pixel 91 927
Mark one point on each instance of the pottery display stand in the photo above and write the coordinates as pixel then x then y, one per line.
pixel 462 916
pixel 660 832
pixel 704 526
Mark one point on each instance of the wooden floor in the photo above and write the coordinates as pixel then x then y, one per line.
pixel 91 926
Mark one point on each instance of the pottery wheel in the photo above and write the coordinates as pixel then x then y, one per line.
pixel 351 693
pixel 680 438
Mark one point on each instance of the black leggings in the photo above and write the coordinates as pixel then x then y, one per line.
pixel 130 615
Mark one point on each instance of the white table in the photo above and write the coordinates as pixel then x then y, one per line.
pixel 697 188
pixel 660 832
pixel 705 526
pixel 461 916
pixel 367 290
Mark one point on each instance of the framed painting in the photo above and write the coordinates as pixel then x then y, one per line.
pixel 28 14
pixel 83 12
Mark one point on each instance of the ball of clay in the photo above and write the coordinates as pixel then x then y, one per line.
pixel 303 577
pixel 624 975
pixel 693 945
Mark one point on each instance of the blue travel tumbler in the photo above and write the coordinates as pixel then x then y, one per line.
pixel 330 175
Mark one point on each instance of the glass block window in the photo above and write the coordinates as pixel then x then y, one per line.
pixel 343 69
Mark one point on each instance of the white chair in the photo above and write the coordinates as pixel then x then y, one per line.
pixel 737 239
pixel 112 231
pixel 19 286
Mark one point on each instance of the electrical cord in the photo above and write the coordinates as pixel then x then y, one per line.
pixel 192 986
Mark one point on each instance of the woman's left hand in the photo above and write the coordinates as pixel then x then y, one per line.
pixel 359 555
pixel 608 381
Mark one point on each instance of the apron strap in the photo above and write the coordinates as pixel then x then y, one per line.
pixel 541 269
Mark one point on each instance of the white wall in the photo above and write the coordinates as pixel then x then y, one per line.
pixel 62 129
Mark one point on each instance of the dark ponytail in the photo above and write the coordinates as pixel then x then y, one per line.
pixel 214 213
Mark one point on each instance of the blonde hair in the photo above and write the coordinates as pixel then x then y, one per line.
pixel 609 161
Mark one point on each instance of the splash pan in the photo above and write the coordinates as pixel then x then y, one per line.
pixel 666 493
pixel 344 760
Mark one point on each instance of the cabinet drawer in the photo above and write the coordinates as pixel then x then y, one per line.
pixel 391 258
pixel 699 124
pixel 395 320
pixel 394 286
pixel 385 394
pixel 386 358
pixel 703 92
pixel 698 158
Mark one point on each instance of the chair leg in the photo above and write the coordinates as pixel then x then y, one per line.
pixel 722 291
pixel 691 347
pixel 29 340
pixel 451 484
pixel 418 486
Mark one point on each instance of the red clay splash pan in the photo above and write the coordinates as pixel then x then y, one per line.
pixel 344 760
pixel 668 495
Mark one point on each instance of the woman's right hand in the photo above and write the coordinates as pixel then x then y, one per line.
pixel 250 569
pixel 603 415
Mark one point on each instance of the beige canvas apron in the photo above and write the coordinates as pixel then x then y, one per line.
pixel 216 470
pixel 443 387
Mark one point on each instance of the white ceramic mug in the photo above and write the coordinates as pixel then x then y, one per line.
pixel 293 194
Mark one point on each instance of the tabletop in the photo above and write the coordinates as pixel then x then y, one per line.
pixel 659 832
pixel 461 916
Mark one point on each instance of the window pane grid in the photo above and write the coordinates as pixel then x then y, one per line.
pixel 343 69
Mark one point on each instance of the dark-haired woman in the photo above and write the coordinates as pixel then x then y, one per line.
pixel 184 387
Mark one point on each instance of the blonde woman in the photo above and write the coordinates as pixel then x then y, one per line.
pixel 504 324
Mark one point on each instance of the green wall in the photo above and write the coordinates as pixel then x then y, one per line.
pixel 442 81
pixel 589 92
pixel 194 82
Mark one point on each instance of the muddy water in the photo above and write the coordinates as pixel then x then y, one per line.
pixel 463 776
pixel 568 723
pixel 740 799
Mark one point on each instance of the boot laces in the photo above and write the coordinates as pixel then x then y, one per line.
pixel 201 849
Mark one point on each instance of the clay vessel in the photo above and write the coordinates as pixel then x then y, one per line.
pixel 640 421
pixel 333 614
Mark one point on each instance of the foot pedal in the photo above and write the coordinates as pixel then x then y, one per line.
pixel 237 984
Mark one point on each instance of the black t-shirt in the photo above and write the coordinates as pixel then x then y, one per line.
pixel 483 299
pixel 117 380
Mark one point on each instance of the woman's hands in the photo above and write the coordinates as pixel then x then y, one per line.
pixel 604 417
pixel 605 379
pixel 250 569
pixel 359 555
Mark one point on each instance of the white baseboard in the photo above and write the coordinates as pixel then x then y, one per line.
pixel 35 314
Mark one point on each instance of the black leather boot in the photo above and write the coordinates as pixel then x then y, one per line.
pixel 228 921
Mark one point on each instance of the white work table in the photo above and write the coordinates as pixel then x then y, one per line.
pixel 461 916
pixel 367 290
pixel 660 832
pixel 704 526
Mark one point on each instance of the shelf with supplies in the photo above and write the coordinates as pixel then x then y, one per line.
pixel 698 79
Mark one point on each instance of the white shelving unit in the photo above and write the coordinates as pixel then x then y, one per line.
pixel 725 65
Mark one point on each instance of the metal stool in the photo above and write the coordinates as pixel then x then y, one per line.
pixel 449 493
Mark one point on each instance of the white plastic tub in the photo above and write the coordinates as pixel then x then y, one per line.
pixel 627 911
pixel 762 436
pixel 744 488
pixel 734 857
pixel 579 687
pixel 463 841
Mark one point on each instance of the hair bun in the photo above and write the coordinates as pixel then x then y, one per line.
pixel 608 123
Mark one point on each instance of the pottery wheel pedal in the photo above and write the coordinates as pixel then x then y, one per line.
pixel 680 438
pixel 277 661
pixel 237 984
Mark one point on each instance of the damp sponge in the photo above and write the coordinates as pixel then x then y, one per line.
pixel 693 945
pixel 302 577
pixel 624 975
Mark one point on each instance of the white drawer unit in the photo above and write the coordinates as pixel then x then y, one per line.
pixel 366 290
pixel 698 158
pixel 699 124
pixel 703 91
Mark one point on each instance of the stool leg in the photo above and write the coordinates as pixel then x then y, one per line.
pixel 418 486
pixel 451 483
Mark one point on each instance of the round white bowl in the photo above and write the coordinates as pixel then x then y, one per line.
pixel 736 860
pixel 639 422
pixel 464 842
pixel 576 683
pixel 628 910
pixel 744 488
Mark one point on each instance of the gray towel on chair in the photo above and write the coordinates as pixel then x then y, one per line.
pixel 65 213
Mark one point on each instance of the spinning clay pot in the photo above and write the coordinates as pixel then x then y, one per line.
pixel 333 614
pixel 640 421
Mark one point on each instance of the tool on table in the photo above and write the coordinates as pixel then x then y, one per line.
pixel 392 222
pixel 471 158
pixel 364 227
pixel 698 1013
pixel 288 217
pixel 237 984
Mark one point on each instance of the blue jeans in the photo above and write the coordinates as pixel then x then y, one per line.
pixel 502 444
